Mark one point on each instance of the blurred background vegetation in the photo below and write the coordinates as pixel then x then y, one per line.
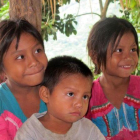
pixel 52 22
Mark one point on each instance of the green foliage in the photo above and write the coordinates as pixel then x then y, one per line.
pixel 131 12
pixel 52 23
pixel 65 26
pixel 4 11
pixel 66 1
pixel 138 69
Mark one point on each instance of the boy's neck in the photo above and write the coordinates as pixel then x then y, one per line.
pixel 55 126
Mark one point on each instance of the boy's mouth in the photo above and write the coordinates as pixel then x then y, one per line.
pixel 75 113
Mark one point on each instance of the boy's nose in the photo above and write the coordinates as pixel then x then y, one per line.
pixel 78 103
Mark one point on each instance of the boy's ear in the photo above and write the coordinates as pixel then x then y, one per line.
pixel 44 94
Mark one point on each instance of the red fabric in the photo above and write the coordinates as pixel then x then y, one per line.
pixel 126 134
pixel 9 124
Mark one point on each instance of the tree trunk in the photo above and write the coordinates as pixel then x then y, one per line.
pixel 30 10
pixel 104 8
pixel 101 5
pixel 1 3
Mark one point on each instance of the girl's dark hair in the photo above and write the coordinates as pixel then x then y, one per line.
pixel 63 65
pixel 9 30
pixel 103 33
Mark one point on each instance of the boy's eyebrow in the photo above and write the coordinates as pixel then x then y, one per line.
pixel 87 92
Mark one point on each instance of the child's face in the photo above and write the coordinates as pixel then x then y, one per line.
pixel 69 100
pixel 124 59
pixel 26 65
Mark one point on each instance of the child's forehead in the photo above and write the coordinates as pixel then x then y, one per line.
pixel 26 42
pixel 23 38
pixel 75 81
pixel 115 40
pixel 75 77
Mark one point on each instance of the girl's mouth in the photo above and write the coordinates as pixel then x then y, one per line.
pixel 126 66
pixel 36 71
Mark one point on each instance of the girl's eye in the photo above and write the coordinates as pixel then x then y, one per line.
pixel 118 50
pixel 20 57
pixel 133 49
pixel 70 94
pixel 38 50
pixel 85 97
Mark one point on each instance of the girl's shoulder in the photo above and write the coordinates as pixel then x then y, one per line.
pixel 134 87
pixel 4 88
pixel 134 83
pixel 132 97
pixel 134 79
pixel 2 85
pixel 96 84
pixel 96 87
pixel 5 93
pixel 98 96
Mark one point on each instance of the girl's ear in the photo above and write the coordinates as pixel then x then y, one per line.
pixel 3 73
pixel 44 94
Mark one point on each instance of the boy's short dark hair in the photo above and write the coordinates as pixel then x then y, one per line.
pixel 10 29
pixel 61 65
pixel 106 31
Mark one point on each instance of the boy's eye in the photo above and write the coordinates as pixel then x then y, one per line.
pixel 20 57
pixel 70 94
pixel 86 97
pixel 118 50
pixel 133 49
pixel 38 50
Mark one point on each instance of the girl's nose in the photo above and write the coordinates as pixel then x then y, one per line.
pixel 33 61
pixel 127 55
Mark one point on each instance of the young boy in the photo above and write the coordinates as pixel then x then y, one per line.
pixel 66 90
